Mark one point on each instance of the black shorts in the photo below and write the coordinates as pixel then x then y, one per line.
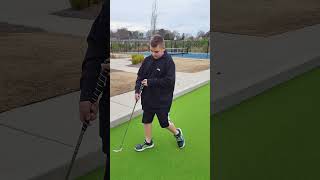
pixel 163 117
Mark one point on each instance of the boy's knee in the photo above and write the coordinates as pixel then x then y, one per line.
pixel 146 121
pixel 164 124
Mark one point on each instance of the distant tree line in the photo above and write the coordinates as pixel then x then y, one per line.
pixel 125 34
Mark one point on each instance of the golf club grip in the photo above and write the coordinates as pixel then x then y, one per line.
pixel 141 88
pixel 101 83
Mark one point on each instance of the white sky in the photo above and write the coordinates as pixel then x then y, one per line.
pixel 184 16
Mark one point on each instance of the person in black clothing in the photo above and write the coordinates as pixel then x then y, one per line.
pixel 97 53
pixel 157 74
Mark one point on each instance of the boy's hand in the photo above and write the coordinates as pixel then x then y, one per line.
pixel 144 82
pixel 106 68
pixel 137 96
pixel 88 111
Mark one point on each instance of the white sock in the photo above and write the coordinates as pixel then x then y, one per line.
pixel 177 132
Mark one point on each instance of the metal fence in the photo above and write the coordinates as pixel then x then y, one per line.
pixel 126 46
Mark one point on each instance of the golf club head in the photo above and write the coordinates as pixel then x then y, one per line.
pixel 117 150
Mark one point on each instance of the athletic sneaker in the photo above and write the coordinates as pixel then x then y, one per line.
pixel 180 139
pixel 145 145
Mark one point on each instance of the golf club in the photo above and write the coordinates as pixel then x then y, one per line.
pixel 124 136
pixel 101 83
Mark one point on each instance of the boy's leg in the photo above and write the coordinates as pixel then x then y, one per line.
pixel 107 171
pixel 172 128
pixel 104 130
pixel 147 123
pixel 165 122
pixel 148 131
pixel 104 112
pixel 147 119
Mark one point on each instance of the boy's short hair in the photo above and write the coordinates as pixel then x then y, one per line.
pixel 157 40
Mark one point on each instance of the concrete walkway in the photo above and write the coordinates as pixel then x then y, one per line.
pixel 37 141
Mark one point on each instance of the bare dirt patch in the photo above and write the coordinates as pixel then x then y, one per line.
pixel 191 65
pixel 264 17
pixel 121 82
pixel 37 65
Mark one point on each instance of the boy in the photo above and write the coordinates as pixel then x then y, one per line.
pixel 97 52
pixel 157 75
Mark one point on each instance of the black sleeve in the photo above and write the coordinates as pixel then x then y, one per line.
pixel 140 76
pixel 168 81
pixel 97 52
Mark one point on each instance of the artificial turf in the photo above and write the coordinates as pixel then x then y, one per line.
pixel 191 113
pixel 272 136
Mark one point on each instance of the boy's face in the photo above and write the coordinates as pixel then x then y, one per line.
pixel 157 52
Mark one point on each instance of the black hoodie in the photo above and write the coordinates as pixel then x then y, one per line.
pixel 97 52
pixel 161 75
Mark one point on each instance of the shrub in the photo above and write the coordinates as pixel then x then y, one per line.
pixel 137 58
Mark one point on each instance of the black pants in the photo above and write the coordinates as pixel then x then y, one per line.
pixel 104 114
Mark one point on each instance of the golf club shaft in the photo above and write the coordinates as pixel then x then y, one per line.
pixel 101 83
pixel 84 127
pixel 124 136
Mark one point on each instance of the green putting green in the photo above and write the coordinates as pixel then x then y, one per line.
pixel 274 135
pixel 191 113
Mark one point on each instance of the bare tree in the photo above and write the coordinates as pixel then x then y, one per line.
pixel 162 32
pixel 154 17
pixel 123 33
pixel 200 34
